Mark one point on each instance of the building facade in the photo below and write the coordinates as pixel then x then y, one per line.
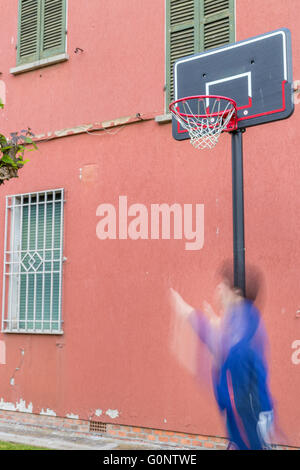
pixel 86 265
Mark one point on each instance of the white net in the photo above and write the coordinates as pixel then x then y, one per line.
pixel 205 118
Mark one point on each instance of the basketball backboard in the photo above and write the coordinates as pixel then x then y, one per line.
pixel 256 73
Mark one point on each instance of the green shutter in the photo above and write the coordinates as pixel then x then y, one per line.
pixel 41 29
pixel 218 23
pixel 180 36
pixel 194 26
pixel 53 28
pixel 28 31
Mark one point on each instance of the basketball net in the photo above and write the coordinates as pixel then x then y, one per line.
pixel 205 118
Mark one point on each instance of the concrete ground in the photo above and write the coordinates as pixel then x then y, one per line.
pixel 62 440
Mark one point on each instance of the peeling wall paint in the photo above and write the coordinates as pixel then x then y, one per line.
pixel 73 130
pixel 72 416
pixel 95 126
pixel 112 413
pixel 48 412
pixel 12 380
pixel 19 406
pixel 116 122
pixel 22 407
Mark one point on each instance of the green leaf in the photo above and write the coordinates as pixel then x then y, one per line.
pixel 3 140
pixel 9 160
pixel 3 149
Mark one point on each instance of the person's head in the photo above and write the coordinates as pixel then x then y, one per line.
pixel 228 292
pixel 223 294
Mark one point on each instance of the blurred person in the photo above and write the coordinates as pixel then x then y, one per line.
pixel 236 340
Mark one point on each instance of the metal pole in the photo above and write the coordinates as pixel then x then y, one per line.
pixel 238 209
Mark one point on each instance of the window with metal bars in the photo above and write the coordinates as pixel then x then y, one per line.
pixel 41 30
pixel 33 257
pixel 194 26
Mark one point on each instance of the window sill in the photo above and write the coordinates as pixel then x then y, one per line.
pixel 34 332
pixel 164 118
pixel 38 64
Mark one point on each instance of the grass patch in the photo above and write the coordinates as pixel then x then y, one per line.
pixel 14 446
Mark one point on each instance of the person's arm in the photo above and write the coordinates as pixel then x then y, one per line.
pixel 180 306
pixel 212 316
pixel 204 324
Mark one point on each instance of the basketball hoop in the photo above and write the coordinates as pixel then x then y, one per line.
pixel 205 117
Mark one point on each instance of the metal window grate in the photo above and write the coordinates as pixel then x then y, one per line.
pixel 33 257
pixel 96 426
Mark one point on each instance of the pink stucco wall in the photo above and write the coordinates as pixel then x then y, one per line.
pixel 114 353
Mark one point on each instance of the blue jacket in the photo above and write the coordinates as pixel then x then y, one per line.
pixel 239 369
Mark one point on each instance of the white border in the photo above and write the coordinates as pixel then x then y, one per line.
pixel 233 77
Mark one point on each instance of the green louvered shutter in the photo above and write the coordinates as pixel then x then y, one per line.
pixel 180 36
pixel 194 26
pixel 41 29
pixel 218 22
pixel 53 28
pixel 28 31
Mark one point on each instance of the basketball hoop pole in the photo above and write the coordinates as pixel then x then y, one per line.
pixel 238 209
